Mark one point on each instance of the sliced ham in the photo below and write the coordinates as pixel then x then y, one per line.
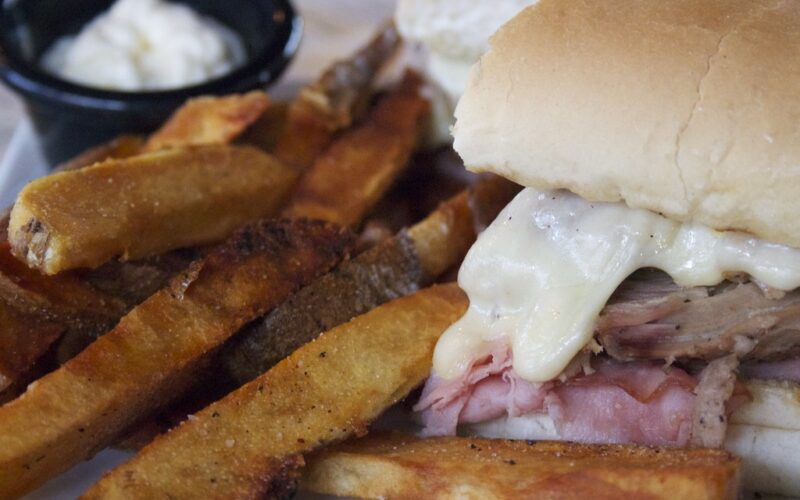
pixel 488 389
pixel 637 402
pixel 624 396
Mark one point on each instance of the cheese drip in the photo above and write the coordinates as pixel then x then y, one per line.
pixel 538 277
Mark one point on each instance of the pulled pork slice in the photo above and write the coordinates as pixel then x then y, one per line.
pixel 650 317
pixel 635 402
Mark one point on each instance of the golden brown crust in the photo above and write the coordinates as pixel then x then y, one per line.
pixel 355 172
pixel 209 120
pixel 325 391
pixel 332 102
pixel 156 350
pixel 123 146
pixel 400 466
pixel 686 108
pixel 145 205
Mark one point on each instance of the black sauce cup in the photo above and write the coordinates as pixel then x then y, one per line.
pixel 69 118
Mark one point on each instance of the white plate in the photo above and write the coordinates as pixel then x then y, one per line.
pixel 333 30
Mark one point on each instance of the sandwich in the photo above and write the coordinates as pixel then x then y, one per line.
pixel 643 287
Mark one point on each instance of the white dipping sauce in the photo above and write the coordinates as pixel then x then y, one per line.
pixel 146 45
pixel 538 277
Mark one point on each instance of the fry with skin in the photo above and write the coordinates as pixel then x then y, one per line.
pixel 394 465
pixel 157 349
pixel 144 205
pixel 354 173
pixel 247 444
pixel 209 120
pixel 398 266
pixel 331 103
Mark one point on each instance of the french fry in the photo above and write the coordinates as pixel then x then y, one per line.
pixel 265 132
pixel 351 176
pixel 123 146
pixel 209 120
pixel 144 205
pixel 393 268
pixel 331 104
pixel 247 445
pixel 400 466
pixel 24 340
pixel 35 311
pixel 130 282
pixel 157 349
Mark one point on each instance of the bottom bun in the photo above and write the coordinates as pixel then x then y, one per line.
pixel 764 432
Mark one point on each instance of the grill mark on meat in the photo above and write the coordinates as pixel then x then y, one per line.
pixel 650 317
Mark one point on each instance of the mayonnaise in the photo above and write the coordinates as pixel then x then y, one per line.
pixel 146 45
pixel 538 277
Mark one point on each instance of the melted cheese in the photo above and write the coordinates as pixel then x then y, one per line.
pixel 539 276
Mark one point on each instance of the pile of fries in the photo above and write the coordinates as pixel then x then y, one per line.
pixel 261 277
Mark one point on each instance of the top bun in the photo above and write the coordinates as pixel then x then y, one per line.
pixel 685 107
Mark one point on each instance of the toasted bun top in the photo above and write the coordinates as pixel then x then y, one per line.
pixel 686 107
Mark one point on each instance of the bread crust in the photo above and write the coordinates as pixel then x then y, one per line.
pixel 681 107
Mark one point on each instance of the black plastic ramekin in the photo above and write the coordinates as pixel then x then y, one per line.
pixel 70 118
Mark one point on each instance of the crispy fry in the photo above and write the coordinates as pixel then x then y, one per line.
pixel 209 120
pixel 265 132
pixel 123 146
pixel 37 311
pixel 396 267
pixel 247 444
pixel 23 340
pixel 400 466
pixel 144 205
pixel 332 102
pixel 146 360
pixel 352 175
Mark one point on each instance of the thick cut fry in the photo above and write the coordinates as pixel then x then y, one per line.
pixel 396 267
pixel 265 132
pixel 332 102
pixel 209 120
pixel 144 205
pixel 24 338
pixel 440 241
pixel 35 311
pixel 247 444
pixel 400 466
pixel 156 349
pixel 353 174
pixel 123 146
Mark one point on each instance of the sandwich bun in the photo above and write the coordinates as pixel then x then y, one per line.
pixel 686 108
